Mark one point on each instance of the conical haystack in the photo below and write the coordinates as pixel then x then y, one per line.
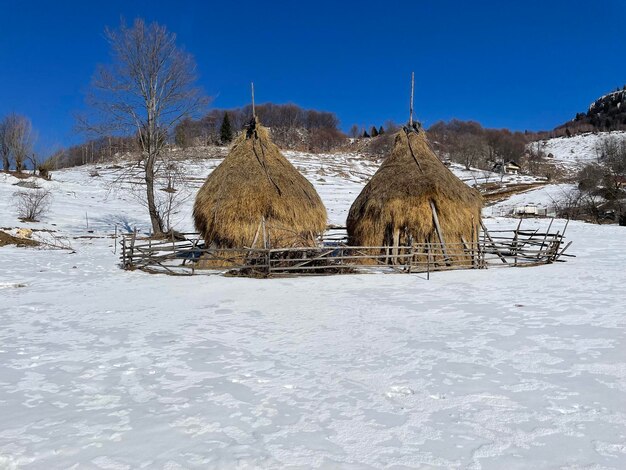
pixel 396 206
pixel 255 196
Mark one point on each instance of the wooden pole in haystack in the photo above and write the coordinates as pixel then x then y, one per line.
pixel 253 110
pixel 440 234
pixel 411 106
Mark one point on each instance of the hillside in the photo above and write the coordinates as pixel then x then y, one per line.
pixel 607 113
pixel 575 151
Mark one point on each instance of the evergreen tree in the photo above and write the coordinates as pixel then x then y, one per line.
pixel 226 132
pixel 373 132
pixel 365 134
pixel 381 131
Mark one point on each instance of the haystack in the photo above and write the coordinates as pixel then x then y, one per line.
pixel 256 197
pixel 412 191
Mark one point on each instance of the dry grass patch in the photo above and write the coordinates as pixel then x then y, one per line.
pixel 8 239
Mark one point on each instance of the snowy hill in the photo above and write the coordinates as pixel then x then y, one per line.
pixel 607 113
pixel 103 368
pixel 616 99
pixel 576 151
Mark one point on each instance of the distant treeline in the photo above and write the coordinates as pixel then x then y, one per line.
pixel 465 142
pixel 292 127
pixel 102 149
pixel 468 143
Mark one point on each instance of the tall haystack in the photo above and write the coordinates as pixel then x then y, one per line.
pixel 410 193
pixel 255 196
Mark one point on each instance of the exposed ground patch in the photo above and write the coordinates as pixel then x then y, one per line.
pixel 8 239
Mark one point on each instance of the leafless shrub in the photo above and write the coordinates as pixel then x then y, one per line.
pixel 581 204
pixel 31 205
pixel 487 175
pixel 55 242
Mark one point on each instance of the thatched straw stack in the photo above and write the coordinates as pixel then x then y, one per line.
pixel 256 183
pixel 394 208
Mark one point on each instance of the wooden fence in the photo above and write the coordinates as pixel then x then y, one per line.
pixel 186 254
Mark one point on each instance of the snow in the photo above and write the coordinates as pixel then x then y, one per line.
pixel 573 152
pixel 486 369
pixel 614 94
pixel 474 176
pixel 549 196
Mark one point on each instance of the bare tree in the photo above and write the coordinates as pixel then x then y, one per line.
pixel 16 141
pixel 22 141
pixel 354 131
pixel 612 155
pixel 147 90
pixel 391 126
pixel 468 149
pixel 5 150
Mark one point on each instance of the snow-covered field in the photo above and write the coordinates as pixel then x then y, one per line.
pixel 572 152
pixel 488 369
pixel 549 196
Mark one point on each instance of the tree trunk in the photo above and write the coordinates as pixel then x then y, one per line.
pixel 155 217
pixel 5 163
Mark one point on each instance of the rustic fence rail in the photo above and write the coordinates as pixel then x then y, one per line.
pixel 186 254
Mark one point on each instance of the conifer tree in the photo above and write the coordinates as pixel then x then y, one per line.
pixel 365 134
pixel 226 132
pixel 373 132
pixel 381 131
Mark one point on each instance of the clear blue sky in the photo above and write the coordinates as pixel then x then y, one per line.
pixel 522 65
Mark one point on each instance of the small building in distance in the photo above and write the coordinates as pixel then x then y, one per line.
pixel 507 168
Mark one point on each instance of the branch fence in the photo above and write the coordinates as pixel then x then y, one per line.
pixel 186 254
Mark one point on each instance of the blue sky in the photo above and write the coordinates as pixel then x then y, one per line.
pixel 522 65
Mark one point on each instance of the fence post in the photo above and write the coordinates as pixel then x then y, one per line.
pixel 132 247
pixel 473 252
pixel 428 262
pixel 545 237
pixel 124 251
